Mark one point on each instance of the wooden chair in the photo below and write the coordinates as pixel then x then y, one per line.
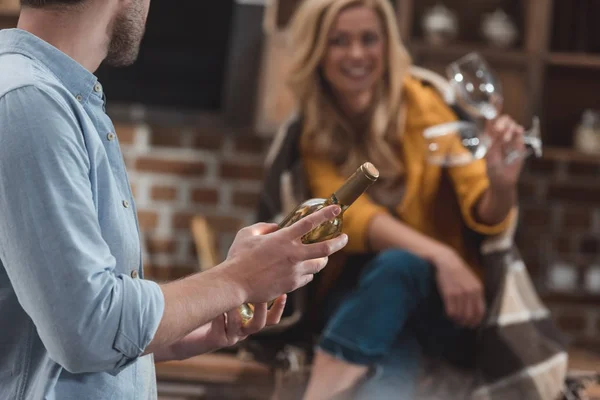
pixel 205 242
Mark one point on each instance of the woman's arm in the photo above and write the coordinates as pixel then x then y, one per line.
pixel 501 196
pixel 495 204
pixel 459 288
pixel 387 232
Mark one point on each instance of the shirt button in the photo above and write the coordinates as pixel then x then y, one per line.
pixel 134 274
pixel 111 136
pixel 79 97
pixel 125 204
pixel 97 88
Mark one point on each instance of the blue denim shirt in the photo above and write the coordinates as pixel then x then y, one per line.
pixel 75 313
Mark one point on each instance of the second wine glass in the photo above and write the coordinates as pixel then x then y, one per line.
pixel 479 93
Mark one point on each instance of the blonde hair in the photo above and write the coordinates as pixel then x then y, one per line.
pixel 326 131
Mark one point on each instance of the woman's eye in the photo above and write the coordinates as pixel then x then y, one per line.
pixel 338 41
pixel 369 39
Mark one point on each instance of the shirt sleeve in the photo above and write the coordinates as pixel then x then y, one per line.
pixel 323 180
pixel 89 317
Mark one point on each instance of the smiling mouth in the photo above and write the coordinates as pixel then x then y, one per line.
pixel 356 72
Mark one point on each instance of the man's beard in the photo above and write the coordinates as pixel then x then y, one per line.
pixel 127 33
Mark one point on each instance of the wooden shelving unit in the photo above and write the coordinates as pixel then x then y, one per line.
pixel 568 154
pixel 569 298
pixel 541 75
pixel 455 50
pixel 576 60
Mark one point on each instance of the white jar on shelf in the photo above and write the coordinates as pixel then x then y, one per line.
pixel 587 132
pixel 592 279
pixel 562 277
pixel 439 24
pixel 499 29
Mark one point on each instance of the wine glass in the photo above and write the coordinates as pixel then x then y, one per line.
pixel 479 93
pixel 455 143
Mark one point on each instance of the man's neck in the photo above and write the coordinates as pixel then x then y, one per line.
pixel 81 34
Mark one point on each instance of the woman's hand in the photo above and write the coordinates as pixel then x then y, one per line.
pixel 461 291
pixel 507 138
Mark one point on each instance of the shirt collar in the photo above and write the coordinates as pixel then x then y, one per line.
pixel 78 80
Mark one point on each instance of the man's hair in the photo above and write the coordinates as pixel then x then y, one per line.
pixel 50 3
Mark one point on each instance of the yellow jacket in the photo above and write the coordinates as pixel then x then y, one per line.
pixel 438 202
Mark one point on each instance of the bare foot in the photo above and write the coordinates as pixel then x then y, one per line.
pixel 331 376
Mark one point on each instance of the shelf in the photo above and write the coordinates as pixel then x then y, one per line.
pixel 458 49
pixel 569 154
pixel 580 60
pixel 570 298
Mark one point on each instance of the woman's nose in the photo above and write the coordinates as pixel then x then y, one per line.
pixel 357 50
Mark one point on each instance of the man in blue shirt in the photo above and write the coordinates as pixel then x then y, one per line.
pixel 77 319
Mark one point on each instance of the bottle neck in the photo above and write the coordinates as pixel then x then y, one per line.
pixel 355 186
pixel 333 200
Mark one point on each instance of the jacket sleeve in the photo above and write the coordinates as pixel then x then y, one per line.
pixel 470 183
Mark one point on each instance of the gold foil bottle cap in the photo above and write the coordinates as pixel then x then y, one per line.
pixel 356 185
pixel 370 171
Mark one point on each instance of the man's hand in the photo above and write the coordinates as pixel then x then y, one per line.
pixel 223 331
pixel 267 262
pixel 460 289
pixel 263 263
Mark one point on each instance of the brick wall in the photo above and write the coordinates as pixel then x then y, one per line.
pixel 178 172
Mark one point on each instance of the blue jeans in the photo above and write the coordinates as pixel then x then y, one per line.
pixel 393 316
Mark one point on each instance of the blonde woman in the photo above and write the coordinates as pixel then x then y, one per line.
pixel 420 289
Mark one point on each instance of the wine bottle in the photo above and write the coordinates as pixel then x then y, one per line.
pixel 346 194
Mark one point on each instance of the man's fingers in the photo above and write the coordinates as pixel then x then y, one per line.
pixel 233 325
pixel 305 280
pixel 308 223
pixel 222 320
pixel 326 248
pixel 262 228
pixel 257 322
pixel 276 311
pixel 314 266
